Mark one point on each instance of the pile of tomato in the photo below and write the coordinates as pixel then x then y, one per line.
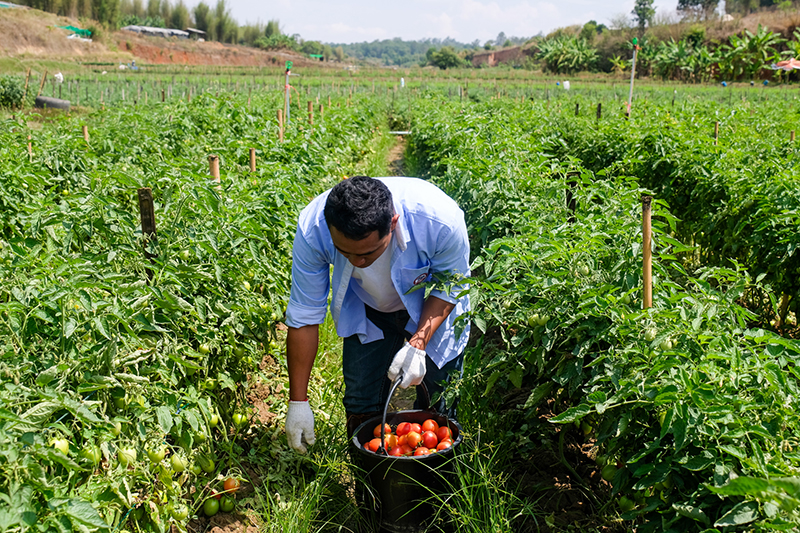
pixel 411 439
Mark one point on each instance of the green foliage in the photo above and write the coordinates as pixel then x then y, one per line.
pixel 12 90
pixel 444 58
pixel 684 396
pixel 643 12
pixel 746 55
pixel 566 54
pixel 397 51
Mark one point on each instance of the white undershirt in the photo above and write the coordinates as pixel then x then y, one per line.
pixel 374 286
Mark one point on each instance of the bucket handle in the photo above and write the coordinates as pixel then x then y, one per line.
pixel 395 384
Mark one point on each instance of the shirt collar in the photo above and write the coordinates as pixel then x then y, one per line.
pixel 401 230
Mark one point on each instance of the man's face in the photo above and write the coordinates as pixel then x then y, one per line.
pixel 364 252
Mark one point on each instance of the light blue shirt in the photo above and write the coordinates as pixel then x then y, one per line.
pixel 431 237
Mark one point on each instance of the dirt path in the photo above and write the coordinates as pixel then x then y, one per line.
pixel 395 162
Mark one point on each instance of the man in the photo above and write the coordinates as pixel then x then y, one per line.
pixel 383 237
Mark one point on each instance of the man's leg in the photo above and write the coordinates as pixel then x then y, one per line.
pixel 365 367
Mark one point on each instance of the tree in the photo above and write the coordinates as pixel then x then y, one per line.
pixel 153 8
pixel 501 39
pixel 273 29
pixel 338 53
pixel 702 8
pixel 179 18
pixel 444 58
pixel 643 12
pixel 204 20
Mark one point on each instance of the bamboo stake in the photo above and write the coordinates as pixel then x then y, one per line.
pixel 30 149
pixel 321 111
pixel 86 133
pixel 252 159
pixel 791 136
pixel 599 111
pixel 280 125
pixel 148 219
pixel 41 85
pixel 25 94
pixel 647 267
pixel 213 167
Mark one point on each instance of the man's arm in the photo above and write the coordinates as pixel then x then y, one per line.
pixel 434 313
pixel 301 350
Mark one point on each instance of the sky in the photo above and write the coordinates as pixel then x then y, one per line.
pixel 349 21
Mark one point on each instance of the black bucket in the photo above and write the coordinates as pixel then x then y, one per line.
pixel 407 488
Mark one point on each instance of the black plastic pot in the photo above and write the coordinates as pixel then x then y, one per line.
pixel 408 490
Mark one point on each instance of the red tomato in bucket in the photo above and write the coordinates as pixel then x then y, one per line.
pixel 429 439
pixel 377 431
pixel 444 433
pixel 413 439
pixel 430 425
pixel 421 451
pixel 403 428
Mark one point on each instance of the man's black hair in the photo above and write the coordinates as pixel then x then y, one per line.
pixel 358 206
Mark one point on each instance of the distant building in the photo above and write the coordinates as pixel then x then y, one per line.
pixel 158 32
pixel 196 34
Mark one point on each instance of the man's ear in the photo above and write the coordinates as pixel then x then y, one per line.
pixel 395 218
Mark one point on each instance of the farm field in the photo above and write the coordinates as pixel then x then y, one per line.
pixel 142 372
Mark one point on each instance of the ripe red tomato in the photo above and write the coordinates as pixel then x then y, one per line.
pixel 397 451
pixel 444 433
pixel 429 439
pixel 443 445
pixel 421 451
pixel 430 425
pixel 413 439
pixel 416 428
pixel 390 440
pixel 403 428
pixel 374 444
pixel 405 450
pixel 377 431
pixel 402 440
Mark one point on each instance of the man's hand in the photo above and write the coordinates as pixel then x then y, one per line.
pixel 411 362
pixel 300 426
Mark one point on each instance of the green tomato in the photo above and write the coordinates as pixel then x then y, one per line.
pixel 226 504
pixel 179 512
pixel 184 255
pixel 626 299
pixel 583 270
pixel 246 285
pixel 608 472
pixel 204 348
pixel 211 506
pixel 213 420
pixel 207 464
pixel 239 351
pixel 239 419
pixel 61 445
pixel 626 504
pixel 179 463
pixel 195 469
pixel 126 456
pixel 666 345
pixel 157 454
pixel 199 437
pixel 586 428
pixel 92 453
pixel 533 319
pixel 209 384
pixel 650 334
pixel 543 320
pixel 116 428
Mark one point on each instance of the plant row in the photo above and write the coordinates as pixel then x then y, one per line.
pixel 689 404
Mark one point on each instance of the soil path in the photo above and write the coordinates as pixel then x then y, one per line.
pixel 395 161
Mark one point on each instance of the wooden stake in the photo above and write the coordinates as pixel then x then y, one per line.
pixel 311 112
pixel 163 95
pixel 321 111
pixel 148 218
pixel 252 159
pixel 25 94
pixel 572 203
pixel 577 108
pixel 599 111
pixel 30 149
pixel 86 133
pixel 716 133
pixel 213 167
pixel 280 125
pixel 41 85
pixel 647 263
pixel 791 136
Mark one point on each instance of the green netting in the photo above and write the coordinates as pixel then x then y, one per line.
pixel 79 31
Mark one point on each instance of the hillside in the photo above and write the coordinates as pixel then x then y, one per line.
pixel 30 37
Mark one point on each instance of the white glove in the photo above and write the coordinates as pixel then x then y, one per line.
pixel 411 362
pixel 300 426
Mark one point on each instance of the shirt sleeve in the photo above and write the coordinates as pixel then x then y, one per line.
pixel 308 299
pixel 451 257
